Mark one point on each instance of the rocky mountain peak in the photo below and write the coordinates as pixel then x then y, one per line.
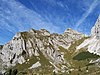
pixel 68 30
pixel 71 31
pixel 99 17
pixel 93 43
pixel 45 32
pixel 17 35
pixel 38 43
pixel 95 31
pixel 32 30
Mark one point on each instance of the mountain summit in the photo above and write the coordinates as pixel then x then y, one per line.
pixel 38 47
pixel 96 29
pixel 93 43
pixel 40 52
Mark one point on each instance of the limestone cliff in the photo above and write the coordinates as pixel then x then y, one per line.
pixel 93 43
pixel 25 45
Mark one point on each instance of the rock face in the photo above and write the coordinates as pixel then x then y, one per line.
pixel 36 48
pixel 93 43
pixel 1 68
pixel 96 29
pixel 1 46
pixel 34 42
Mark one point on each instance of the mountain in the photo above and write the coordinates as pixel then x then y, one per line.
pixel 38 52
pixel 93 43
pixel 40 48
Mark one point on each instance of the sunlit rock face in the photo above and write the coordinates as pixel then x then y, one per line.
pixel 75 35
pixel 34 42
pixel 96 29
pixel 93 43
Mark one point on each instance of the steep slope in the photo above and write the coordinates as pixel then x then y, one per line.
pixel 91 47
pixel 28 48
pixel 39 52
pixel 1 69
pixel 93 43
pixel 79 60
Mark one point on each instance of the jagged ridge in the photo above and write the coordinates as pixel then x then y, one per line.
pixel 24 45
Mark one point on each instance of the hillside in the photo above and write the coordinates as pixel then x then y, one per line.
pixel 39 52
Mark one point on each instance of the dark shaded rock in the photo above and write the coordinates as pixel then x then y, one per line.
pixel 1 46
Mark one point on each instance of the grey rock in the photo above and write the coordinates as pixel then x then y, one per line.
pixel 32 42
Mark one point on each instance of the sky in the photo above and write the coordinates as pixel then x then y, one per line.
pixel 54 15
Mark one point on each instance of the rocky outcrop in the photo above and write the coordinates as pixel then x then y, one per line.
pixel 1 67
pixel 1 46
pixel 93 43
pixel 96 29
pixel 33 42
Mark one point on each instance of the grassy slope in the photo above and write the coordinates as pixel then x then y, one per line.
pixel 80 59
pixel 46 67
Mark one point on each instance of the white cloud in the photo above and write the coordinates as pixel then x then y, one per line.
pixel 16 17
pixel 60 4
pixel 86 14
pixel 51 2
